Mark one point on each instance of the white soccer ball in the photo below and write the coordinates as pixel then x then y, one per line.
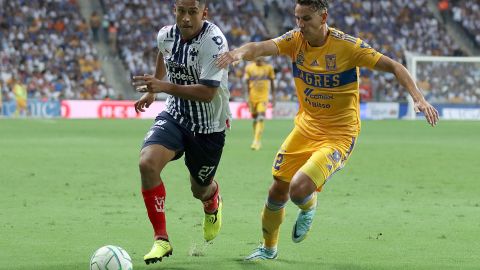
pixel 110 258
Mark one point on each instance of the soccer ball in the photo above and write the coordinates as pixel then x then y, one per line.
pixel 110 258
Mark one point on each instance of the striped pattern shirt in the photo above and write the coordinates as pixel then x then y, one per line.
pixel 193 62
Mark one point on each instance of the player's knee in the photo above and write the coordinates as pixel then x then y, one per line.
pixel 279 191
pixel 301 187
pixel 147 166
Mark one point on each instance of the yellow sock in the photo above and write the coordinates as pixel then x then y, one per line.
pixel 271 221
pixel 254 128
pixel 259 130
pixel 310 203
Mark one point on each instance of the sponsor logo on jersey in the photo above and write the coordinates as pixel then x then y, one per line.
pixel 321 80
pixel 173 64
pixel 218 40
pixel 181 76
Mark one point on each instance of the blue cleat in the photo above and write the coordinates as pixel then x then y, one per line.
pixel 303 224
pixel 262 253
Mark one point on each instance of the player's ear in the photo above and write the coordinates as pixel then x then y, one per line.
pixel 324 17
pixel 205 13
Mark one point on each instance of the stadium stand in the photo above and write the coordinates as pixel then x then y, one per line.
pixel 46 46
pixel 389 27
pixel 49 46
pixel 138 23
pixel 467 14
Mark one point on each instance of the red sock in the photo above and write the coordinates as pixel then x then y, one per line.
pixel 211 205
pixel 155 203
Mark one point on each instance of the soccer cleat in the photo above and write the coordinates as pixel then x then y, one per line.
pixel 213 222
pixel 256 145
pixel 303 224
pixel 160 249
pixel 262 253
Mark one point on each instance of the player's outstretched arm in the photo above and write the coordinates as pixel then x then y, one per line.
pixel 247 52
pixel 405 79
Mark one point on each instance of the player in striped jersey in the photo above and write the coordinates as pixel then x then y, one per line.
pixel 326 68
pixel 194 122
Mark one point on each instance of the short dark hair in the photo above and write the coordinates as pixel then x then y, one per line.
pixel 315 4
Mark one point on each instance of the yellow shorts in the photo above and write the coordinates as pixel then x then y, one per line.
pixel 21 104
pixel 319 159
pixel 257 107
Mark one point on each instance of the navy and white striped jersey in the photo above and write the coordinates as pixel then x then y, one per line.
pixel 193 62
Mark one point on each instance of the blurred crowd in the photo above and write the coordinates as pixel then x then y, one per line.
pixel 389 27
pixel 138 23
pixel 467 14
pixel 46 52
pixel 450 82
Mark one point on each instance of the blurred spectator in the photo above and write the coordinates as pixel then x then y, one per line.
pixel 95 23
pixel 444 8
pixel 112 36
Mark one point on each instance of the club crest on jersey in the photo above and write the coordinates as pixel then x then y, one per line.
pixel 331 61
pixel 193 54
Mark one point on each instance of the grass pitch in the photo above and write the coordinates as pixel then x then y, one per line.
pixel 407 199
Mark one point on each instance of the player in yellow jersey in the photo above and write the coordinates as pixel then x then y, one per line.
pixel 260 78
pixel 20 92
pixel 325 67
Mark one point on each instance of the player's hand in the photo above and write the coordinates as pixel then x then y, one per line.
pixel 225 59
pixel 144 102
pixel 431 114
pixel 148 84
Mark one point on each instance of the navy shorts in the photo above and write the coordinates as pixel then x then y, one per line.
pixel 202 151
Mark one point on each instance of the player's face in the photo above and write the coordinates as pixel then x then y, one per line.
pixel 310 21
pixel 189 15
pixel 259 61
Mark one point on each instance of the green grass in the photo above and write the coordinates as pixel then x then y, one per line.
pixel 409 198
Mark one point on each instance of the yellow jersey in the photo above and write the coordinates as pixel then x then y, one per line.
pixel 20 91
pixel 327 81
pixel 258 78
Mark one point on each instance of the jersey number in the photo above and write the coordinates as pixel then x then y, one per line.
pixel 278 161
pixel 205 172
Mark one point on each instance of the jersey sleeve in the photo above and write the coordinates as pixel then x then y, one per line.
pixel 286 43
pixel 364 55
pixel 162 34
pixel 210 74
